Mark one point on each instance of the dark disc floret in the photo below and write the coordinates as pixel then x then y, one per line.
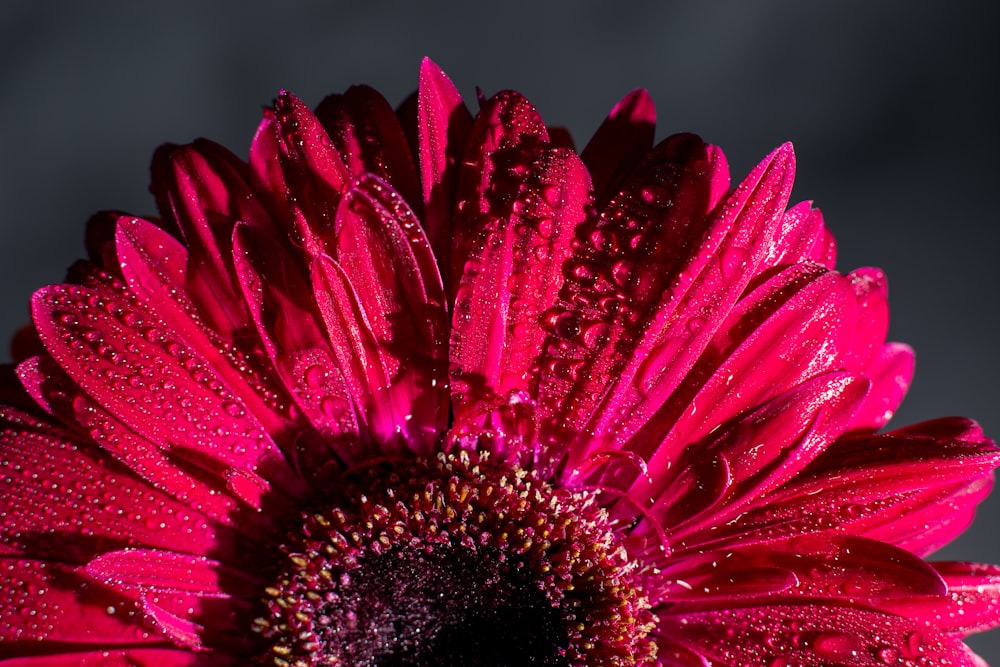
pixel 456 560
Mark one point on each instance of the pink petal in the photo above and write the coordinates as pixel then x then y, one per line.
pixel 811 634
pixel 365 131
pixel 280 296
pixel 891 371
pixel 888 487
pixel 759 453
pixel 140 657
pixel 72 502
pixel 505 306
pixel 153 570
pixel 153 382
pixel 443 124
pixel 657 334
pixel 381 246
pixel 63 609
pixel 619 144
pixel 155 268
pixel 504 140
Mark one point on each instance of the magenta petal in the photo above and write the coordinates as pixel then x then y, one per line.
pixel 761 451
pixel 504 140
pixel 152 570
pixel 77 503
pixel 312 171
pixel 971 602
pixel 183 632
pixel 618 145
pixel 139 657
pixel 46 604
pixel 871 321
pixel 787 330
pixel 497 338
pixel 840 568
pixel 812 635
pixel 54 390
pixel 800 231
pixel 278 295
pixel 443 123
pixel 891 371
pixel 381 246
pixel 153 382
pixel 358 353
pixel 205 188
pixel 671 327
pixel 154 266
pixel 266 174
pixel 891 487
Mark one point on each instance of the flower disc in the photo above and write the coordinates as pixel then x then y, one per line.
pixel 456 561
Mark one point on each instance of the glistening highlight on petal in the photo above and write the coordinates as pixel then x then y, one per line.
pixel 426 387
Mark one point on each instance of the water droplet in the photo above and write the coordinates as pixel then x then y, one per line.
pixel 552 195
pixel 733 261
pixel 835 645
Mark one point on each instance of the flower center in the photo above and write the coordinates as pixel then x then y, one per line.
pixel 456 561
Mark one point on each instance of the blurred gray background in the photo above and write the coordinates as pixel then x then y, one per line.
pixel 892 108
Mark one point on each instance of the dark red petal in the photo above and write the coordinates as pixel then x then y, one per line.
pixel 365 131
pixel 266 175
pixel 443 124
pixel 620 143
pixel 313 172
pixel 100 239
pixel 205 189
pixel 504 309
pixel 138 370
pixel 46 605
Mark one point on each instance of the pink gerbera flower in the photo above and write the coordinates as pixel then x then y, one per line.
pixel 423 388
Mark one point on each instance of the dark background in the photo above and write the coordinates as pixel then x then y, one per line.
pixel 892 108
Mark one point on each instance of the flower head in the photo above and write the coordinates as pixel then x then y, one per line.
pixel 418 387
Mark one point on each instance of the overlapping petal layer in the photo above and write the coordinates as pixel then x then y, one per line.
pixel 620 328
